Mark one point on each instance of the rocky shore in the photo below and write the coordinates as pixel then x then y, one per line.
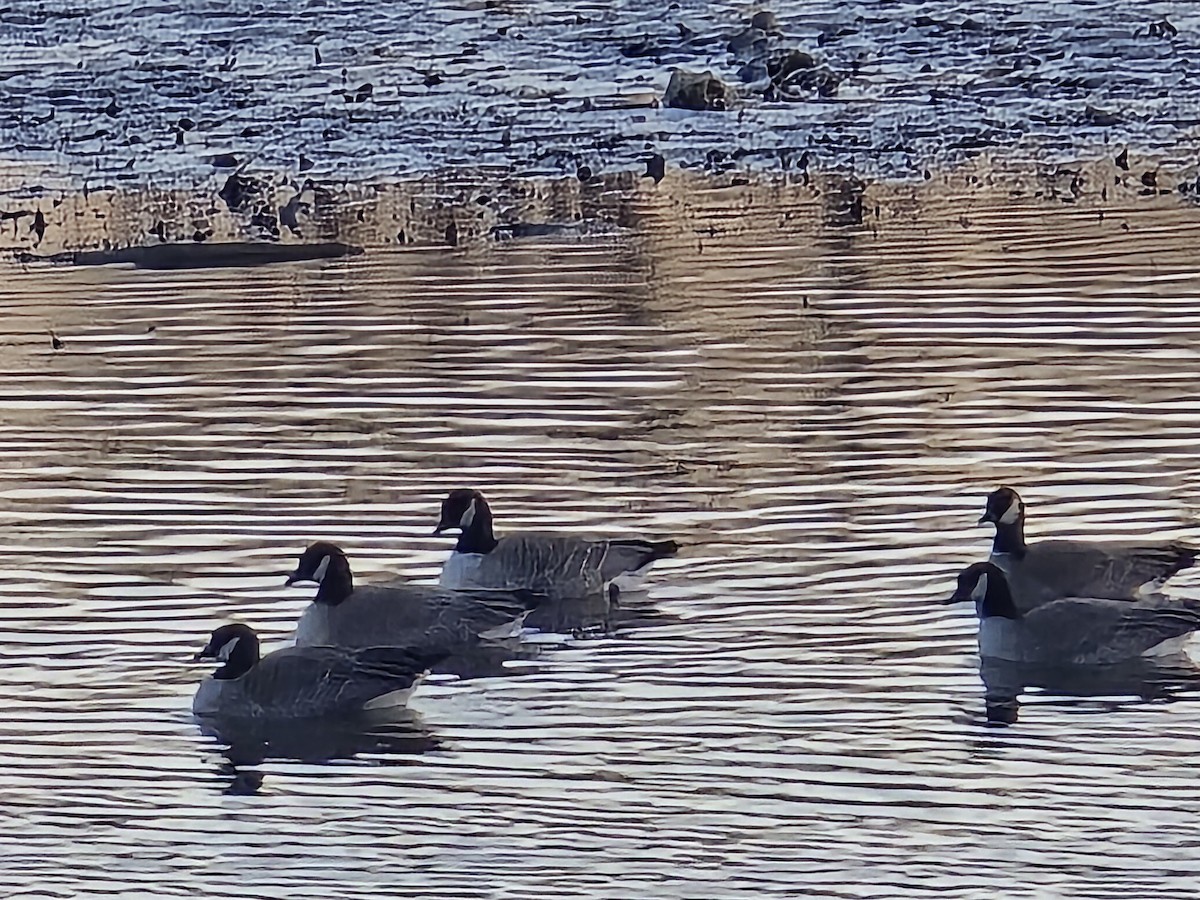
pixel 364 126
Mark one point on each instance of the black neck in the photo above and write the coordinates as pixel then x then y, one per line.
pixel 337 584
pixel 477 537
pixel 1010 538
pixel 242 659
pixel 998 601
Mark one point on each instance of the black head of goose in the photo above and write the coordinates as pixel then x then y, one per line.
pixel 1006 511
pixel 325 565
pixel 398 613
pixel 1043 571
pixel 466 510
pixel 560 565
pixel 301 682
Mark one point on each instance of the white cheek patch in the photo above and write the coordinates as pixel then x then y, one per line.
pixel 980 589
pixel 319 574
pixel 1012 513
pixel 226 650
pixel 467 517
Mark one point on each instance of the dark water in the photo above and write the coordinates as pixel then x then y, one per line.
pixel 119 92
pixel 817 416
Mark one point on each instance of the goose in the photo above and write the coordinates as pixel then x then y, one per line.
pixel 559 565
pixel 303 682
pixel 1050 570
pixel 398 614
pixel 1074 630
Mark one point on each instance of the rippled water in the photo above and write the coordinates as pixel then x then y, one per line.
pixel 790 710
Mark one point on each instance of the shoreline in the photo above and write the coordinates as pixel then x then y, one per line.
pixel 479 208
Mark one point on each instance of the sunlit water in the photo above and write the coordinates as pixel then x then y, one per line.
pixel 817 419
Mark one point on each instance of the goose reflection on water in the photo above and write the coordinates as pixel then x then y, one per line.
pixel 1096 687
pixel 386 738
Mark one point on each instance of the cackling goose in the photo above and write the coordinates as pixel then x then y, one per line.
pixel 1074 631
pixel 399 614
pixel 303 682
pixel 1050 570
pixel 559 565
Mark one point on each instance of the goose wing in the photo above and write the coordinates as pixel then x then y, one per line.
pixel 627 556
pixel 317 681
pixel 547 563
pixel 1078 630
pixel 1057 569
pixel 415 616
pixel 298 681
pixel 563 565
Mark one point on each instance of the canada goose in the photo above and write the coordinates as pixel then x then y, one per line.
pixel 1050 570
pixel 557 564
pixel 398 615
pixel 303 682
pixel 1075 630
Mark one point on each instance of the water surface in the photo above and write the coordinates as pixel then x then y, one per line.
pixel 817 414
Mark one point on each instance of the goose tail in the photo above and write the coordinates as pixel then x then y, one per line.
pixel 400 663
pixel 1179 557
pixel 648 551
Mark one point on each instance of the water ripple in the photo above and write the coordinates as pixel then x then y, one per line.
pixel 789 708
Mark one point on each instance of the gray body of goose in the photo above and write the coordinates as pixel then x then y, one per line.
pixel 398 615
pixel 556 564
pixel 1074 630
pixel 303 682
pixel 1050 570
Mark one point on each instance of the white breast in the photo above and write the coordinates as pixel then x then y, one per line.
pixel 208 697
pixel 313 628
pixel 461 571
pixel 1000 638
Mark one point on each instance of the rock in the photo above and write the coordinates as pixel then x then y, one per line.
pixel 747 43
pixel 224 161
pixel 290 212
pixel 800 81
pixel 239 192
pixel 1101 118
pixel 266 221
pixel 644 47
pixel 782 68
pixel 698 91
pixel 656 167
pixel 1163 29
pixel 765 20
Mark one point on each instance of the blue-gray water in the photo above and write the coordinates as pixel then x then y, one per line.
pixel 818 416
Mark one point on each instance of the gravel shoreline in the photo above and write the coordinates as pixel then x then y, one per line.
pixel 488 208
